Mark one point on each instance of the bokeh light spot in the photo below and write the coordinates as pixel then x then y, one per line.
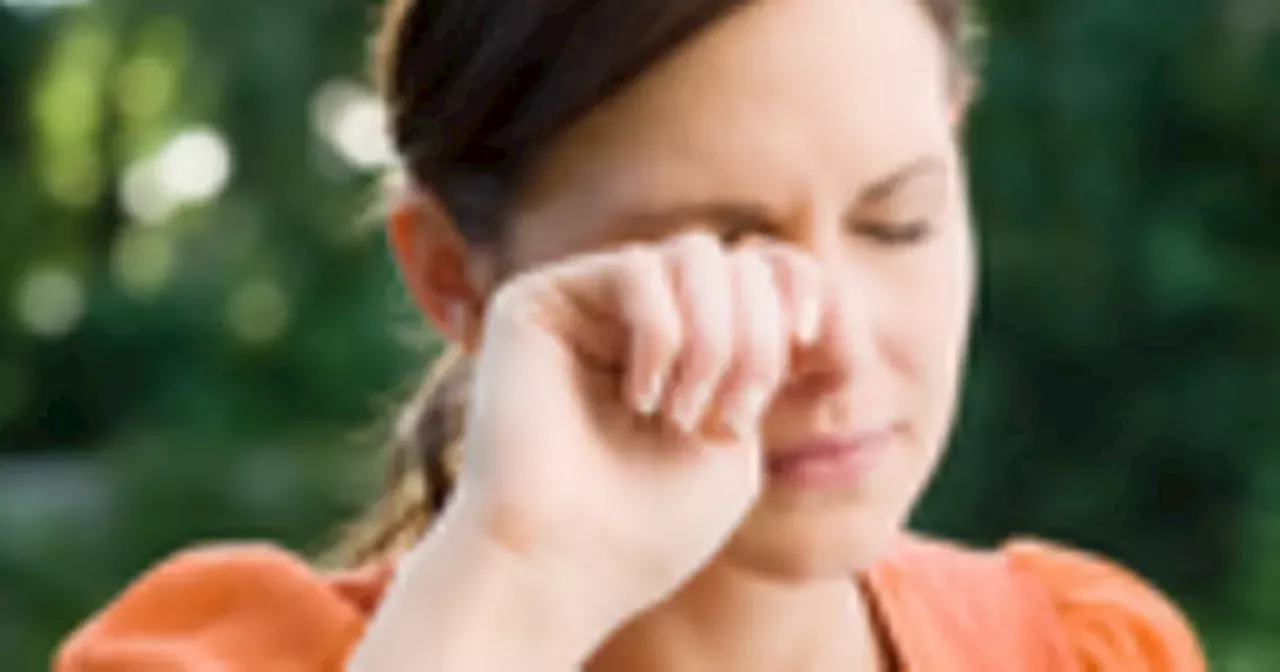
pixel 50 302
pixel 354 121
pixel 258 312
pixel 143 261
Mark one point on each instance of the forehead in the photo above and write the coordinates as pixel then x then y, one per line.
pixel 792 100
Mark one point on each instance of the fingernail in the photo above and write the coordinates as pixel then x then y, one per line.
pixel 745 414
pixel 651 394
pixel 689 409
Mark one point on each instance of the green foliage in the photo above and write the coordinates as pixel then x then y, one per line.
pixel 176 368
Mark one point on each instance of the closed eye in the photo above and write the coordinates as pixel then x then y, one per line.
pixel 895 234
pixel 735 236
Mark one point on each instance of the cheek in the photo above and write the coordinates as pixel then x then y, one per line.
pixel 928 308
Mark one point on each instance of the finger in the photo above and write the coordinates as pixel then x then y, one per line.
pixel 588 300
pixel 760 345
pixel 799 281
pixel 700 274
pixel 654 328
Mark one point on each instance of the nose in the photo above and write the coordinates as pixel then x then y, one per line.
pixel 844 347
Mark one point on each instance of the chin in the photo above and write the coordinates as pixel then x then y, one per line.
pixel 833 540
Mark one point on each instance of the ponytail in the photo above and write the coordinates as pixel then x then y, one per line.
pixel 425 451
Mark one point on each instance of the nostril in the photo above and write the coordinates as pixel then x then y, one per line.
pixel 814 382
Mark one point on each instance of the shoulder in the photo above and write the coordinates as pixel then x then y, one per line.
pixel 1113 618
pixel 242 606
pixel 1053 607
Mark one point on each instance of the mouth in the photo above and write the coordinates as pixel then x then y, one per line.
pixel 829 462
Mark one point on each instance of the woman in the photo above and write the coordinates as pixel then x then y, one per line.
pixel 711 266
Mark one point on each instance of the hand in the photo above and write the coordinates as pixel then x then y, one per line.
pixel 613 439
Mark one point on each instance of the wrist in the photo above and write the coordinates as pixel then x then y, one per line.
pixel 462 600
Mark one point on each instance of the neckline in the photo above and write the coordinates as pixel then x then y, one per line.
pixel 888 644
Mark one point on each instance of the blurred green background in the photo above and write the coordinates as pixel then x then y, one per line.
pixel 201 336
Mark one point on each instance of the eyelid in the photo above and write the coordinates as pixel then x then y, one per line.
pixel 918 198
pixel 901 233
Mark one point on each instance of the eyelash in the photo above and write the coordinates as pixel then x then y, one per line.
pixel 733 237
pixel 896 234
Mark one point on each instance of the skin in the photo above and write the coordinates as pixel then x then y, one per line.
pixel 793 175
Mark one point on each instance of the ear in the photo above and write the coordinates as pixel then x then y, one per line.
pixel 436 266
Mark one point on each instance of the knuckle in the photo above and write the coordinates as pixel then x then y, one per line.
pixel 696 239
pixel 632 263
pixel 637 256
pixel 697 247
pixel 510 295
pixel 640 270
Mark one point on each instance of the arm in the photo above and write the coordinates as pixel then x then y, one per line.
pixel 462 603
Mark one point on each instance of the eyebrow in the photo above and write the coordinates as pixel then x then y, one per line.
pixel 757 215
pixel 733 213
pixel 886 187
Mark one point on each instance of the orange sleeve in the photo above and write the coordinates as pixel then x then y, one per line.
pixel 223 608
pixel 1112 620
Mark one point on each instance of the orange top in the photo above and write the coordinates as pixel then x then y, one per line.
pixel 1028 607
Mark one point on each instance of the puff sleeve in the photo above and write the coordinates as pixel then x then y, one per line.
pixel 1109 619
pixel 244 607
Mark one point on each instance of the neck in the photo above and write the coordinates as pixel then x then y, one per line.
pixel 731 618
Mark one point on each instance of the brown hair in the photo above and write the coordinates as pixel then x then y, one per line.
pixel 474 88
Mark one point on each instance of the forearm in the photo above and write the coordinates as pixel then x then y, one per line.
pixel 463 604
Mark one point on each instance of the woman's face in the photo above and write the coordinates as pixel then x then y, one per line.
pixel 827 125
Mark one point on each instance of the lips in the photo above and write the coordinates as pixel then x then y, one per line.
pixel 829 461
